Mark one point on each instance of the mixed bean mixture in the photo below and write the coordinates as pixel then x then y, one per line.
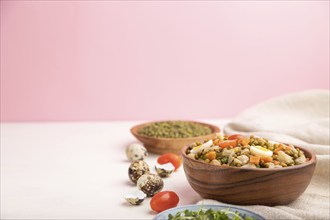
pixel 175 129
pixel 251 152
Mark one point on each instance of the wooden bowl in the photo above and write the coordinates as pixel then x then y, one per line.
pixel 249 186
pixel 169 145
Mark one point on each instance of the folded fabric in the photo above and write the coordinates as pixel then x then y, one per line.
pixel 301 119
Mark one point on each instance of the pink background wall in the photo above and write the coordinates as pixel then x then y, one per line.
pixel 81 60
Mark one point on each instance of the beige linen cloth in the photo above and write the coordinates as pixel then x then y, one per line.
pixel 301 119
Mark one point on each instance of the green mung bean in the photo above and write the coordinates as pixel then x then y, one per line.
pixel 175 129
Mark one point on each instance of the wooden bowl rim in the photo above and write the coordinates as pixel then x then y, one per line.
pixel 134 130
pixel 308 163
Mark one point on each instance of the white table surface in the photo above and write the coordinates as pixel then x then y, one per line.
pixel 75 171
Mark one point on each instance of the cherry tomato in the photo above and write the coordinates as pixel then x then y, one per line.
pixel 164 200
pixel 174 159
pixel 235 136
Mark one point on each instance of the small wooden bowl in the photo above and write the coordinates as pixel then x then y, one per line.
pixel 170 145
pixel 249 186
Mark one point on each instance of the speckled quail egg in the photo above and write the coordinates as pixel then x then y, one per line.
pixel 136 197
pixel 164 170
pixel 136 152
pixel 137 169
pixel 150 184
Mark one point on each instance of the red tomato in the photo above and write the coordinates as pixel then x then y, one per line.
pixel 164 200
pixel 170 158
pixel 235 136
pixel 224 144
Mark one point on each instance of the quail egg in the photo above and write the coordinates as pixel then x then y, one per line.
pixel 261 151
pixel 150 184
pixel 164 170
pixel 136 152
pixel 135 198
pixel 137 169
